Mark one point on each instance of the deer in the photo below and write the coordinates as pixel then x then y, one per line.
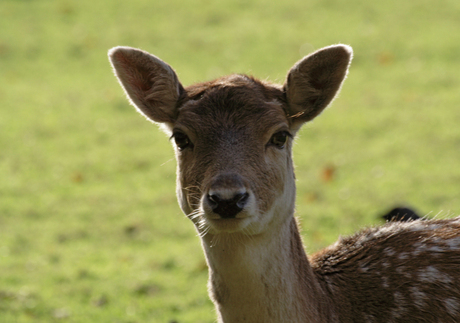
pixel 233 139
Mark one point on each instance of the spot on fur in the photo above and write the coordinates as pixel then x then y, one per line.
pixel 390 252
pixel 432 275
pixel 418 297
pixel 452 306
pixel 400 301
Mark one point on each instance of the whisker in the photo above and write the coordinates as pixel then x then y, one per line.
pixel 204 231
pixel 215 240
pixel 195 216
pixel 168 161
pixel 247 234
pixel 188 188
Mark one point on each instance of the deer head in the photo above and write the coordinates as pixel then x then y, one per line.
pixel 233 136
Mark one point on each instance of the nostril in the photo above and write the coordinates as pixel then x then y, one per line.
pixel 241 200
pixel 213 200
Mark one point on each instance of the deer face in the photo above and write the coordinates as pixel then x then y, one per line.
pixel 233 136
pixel 233 147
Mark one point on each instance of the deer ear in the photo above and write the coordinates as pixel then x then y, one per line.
pixel 314 81
pixel 151 85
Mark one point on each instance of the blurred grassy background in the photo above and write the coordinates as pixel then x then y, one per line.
pixel 89 226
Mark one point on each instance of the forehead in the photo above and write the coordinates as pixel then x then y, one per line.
pixel 233 102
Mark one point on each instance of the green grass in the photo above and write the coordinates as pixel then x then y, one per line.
pixel 89 227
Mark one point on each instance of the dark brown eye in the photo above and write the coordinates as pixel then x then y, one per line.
pixel 182 141
pixel 279 139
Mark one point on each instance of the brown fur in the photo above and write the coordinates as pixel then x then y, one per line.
pixel 229 136
pixel 398 271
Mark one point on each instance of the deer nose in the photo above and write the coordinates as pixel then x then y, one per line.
pixel 227 208
pixel 227 195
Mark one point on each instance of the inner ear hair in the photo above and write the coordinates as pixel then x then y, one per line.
pixel 314 81
pixel 151 85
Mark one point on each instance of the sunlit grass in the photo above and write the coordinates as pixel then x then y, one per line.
pixel 89 227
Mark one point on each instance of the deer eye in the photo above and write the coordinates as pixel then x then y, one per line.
pixel 279 139
pixel 182 140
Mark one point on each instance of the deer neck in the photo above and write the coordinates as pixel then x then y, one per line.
pixel 264 278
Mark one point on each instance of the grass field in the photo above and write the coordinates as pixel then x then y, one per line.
pixel 89 226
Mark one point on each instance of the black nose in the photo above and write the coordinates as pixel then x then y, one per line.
pixel 227 208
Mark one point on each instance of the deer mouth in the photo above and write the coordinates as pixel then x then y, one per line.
pixel 228 225
pixel 227 220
